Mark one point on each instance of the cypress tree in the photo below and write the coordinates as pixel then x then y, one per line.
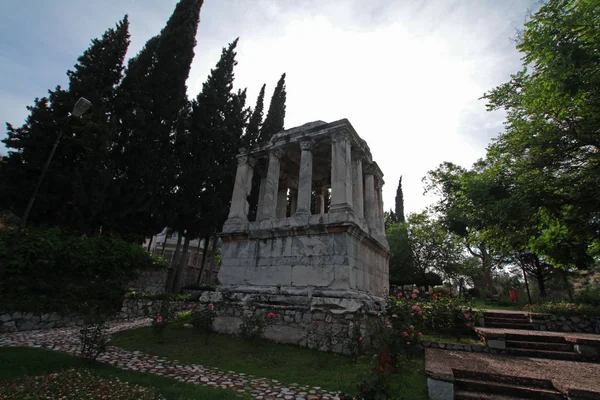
pixel 274 122
pixel 151 98
pixel 256 120
pixel 74 185
pixel 399 214
pixel 207 150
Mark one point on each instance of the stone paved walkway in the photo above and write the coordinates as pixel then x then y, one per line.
pixel 66 340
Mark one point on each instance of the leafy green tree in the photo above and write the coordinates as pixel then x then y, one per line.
pixel 274 122
pixel 151 102
pixel 552 138
pixel 402 271
pixel 75 185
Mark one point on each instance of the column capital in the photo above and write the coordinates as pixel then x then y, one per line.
pixel 246 159
pixel 276 152
pixel 307 144
pixel 369 169
pixel 357 154
pixel 339 136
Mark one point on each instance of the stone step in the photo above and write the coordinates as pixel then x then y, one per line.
pixel 523 337
pixel 461 395
pixel 517 344
pixel 505 379
pixel 521 326
pixel 518 391
pixel 499 314
pixel 549 354
pixel 492 320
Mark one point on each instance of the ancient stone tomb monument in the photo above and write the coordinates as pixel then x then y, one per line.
pixel 312 247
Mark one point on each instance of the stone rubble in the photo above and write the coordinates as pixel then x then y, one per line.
pixel 66 340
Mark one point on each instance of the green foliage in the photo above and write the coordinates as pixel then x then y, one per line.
pixel 165 316
pixel 181 319
pixel 93 339
pixel 590 294
pixel 402 271
pixel 255 121
pixel 74 384
pixel 563 308
pixel 254 324
pixel 69 273
pixel 205 287
pixel 399 211
pixel 160 296
pixel 274 121
pixel 203 319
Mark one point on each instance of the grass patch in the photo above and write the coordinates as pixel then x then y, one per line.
pixel 481 305
pixel 286 363
pixel 18 362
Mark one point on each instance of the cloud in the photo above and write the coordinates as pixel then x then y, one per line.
pixel 407 74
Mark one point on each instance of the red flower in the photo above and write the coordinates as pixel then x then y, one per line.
pixel 468 325
pixel 209 306
pixel 405 333
pixel 360 338
pixel 159 319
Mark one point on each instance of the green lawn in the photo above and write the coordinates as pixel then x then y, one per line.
pixel 16 362
pixel 288 364
pixel 481 305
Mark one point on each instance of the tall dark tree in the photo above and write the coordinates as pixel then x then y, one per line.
pixel 207 149
pixel 151 99
pixel 256 120
pixel 75 184
pixel 399 214
pixel 274 122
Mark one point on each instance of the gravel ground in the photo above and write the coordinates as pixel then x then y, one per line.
pixel 565 375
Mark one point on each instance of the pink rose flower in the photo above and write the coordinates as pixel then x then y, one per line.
pixel 159 319
pixel 360 338
pixel 394 316
pixel 356 323
pixel 406 334
pixel 420 334
pixel 468 325
pixel 414 295
pixel 407 342
pixel 412 328
pixel 209 306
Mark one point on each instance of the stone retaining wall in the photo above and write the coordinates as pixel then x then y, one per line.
pixel 28 321
pixel 582 324
pixel 322 323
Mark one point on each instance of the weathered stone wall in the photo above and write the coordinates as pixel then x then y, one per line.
pixel 583 323
pixel 29 321
pixel 316 322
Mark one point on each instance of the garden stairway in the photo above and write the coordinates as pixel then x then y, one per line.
pixel 507 320
pixel 471 385
pixel 536 344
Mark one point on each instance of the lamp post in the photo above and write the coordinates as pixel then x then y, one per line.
pixel 81 107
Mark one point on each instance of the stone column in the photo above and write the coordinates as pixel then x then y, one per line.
pixel 341 173
pixel 293 201
pixel 321 200
pixel 357 185
pixel 271 185
pixel 261 196
pixel 238 212
pixel 281 201
pixel 380 219
pixel 305 179
pixel 370 198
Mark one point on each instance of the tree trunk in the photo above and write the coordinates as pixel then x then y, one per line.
pixel 162 253
pixel 150 244
pixel 204 251
pixel 539 276
pixel 486 265
pixel 567 285
pixel 526 284
pixel 177 280
pixel 171 277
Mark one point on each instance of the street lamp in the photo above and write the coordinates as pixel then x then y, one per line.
pixel 81 107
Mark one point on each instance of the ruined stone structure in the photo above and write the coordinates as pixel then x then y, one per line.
pixel 317 244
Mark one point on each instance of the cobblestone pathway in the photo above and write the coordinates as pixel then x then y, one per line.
pixel 66 340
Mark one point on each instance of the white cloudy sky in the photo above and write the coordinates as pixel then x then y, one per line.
pixel 406 73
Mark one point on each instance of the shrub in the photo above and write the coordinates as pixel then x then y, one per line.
pixel 203 319
pixel 166 315
pixel 159 296
pixel 590 294
pixel 563 308
pixel 68 273
pixel 93 339
pixel 253 325
pixel 74 385
pixel 182 319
